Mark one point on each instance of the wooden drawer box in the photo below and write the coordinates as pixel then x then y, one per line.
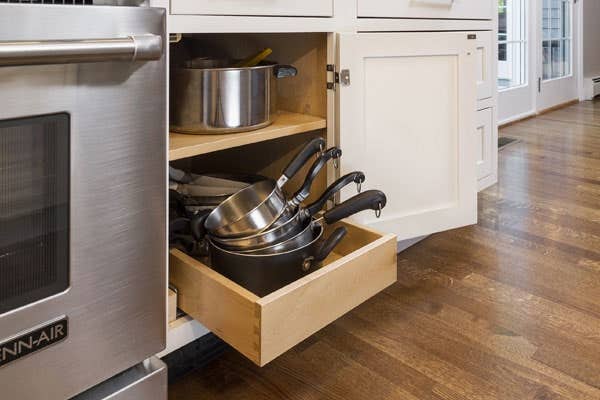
pixel 451 9
pixel 263 328
pixel 290 8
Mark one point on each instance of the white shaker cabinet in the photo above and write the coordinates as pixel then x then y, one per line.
pixel 447 9
pixel 487 148
pixel 485 65
pixel 405 117
pixel 305 8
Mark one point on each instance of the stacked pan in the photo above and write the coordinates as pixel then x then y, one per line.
pixel 264 240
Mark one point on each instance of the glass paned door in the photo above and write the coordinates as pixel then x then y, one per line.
pixel 34 209
pixel 556 39
pixel 557 52
pixel 512 44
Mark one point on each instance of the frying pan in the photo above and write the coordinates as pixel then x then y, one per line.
pixel 256 207
pixel 290 227
pixel 263 274
pixel 369 200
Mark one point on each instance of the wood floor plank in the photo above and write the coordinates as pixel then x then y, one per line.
pixel 508 309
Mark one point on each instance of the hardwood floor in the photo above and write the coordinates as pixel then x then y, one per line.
pixel 507 309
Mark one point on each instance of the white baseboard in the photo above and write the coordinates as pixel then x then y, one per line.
pixel 516 118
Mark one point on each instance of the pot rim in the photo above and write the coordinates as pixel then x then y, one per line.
pixel 234 253
pixel 262 65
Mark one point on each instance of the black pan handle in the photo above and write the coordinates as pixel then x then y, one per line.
pixel 284 71
pixel 313 147
pixel 369 200
pixel 330 243
pixel 177 225
pixel 185 243
pixel 356 177
pixel 176 201
pixel 325 249
pixel 313 172
pixel 197 225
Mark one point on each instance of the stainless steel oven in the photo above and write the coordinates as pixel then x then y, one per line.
pixel 82 194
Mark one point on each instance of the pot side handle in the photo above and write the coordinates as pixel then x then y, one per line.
pixel 330 243
pixel 284 71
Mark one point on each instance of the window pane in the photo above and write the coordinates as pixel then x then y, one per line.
pixel 512 37
pixel 556 19
pixel 546 31
pixel 566 56
pixel 512 69
pixel 546 60
pixel 556 43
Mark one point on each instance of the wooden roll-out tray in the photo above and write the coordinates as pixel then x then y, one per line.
pixel 362 265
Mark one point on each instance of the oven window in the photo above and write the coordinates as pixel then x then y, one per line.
pixel 34 209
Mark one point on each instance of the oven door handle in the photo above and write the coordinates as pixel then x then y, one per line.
pixel 44 52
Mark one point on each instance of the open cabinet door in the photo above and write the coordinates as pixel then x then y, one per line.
pixel 406 117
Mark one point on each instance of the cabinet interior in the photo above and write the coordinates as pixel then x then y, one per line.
pixel 304 94
pixel 266 151
pixel 267 158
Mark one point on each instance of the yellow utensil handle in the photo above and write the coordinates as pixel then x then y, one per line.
pixel 254 60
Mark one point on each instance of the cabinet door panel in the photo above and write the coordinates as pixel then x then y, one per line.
pixel 487 148
pixel 306 8
pixel 485 66
pixel 407 121
pixel 455 9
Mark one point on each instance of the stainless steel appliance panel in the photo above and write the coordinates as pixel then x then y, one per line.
pixel 145 381
pixel 115 302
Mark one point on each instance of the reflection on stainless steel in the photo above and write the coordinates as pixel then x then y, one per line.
pixel 132 48
pixel 115 301
pixel 146 380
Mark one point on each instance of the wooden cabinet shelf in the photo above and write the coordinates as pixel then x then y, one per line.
pixel 285 124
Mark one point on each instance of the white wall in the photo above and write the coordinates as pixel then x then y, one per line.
pixel 591 37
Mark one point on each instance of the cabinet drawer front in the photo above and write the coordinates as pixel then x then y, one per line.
pixel 485 65
pixel 306 8
pixel 362 265
pixel 485 143
pixel 457 9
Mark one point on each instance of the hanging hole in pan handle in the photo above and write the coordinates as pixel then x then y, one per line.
pixel 369 200
pixel 378 211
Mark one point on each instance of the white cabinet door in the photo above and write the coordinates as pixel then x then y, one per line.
pixel 407 120
pixel 305 8
pixel 454 9
pixel 485 66
pixel 487 148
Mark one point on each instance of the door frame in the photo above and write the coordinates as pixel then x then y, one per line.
pixel 558 91
pixel 523 101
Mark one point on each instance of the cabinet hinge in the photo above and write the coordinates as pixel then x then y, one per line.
pixel 335 75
